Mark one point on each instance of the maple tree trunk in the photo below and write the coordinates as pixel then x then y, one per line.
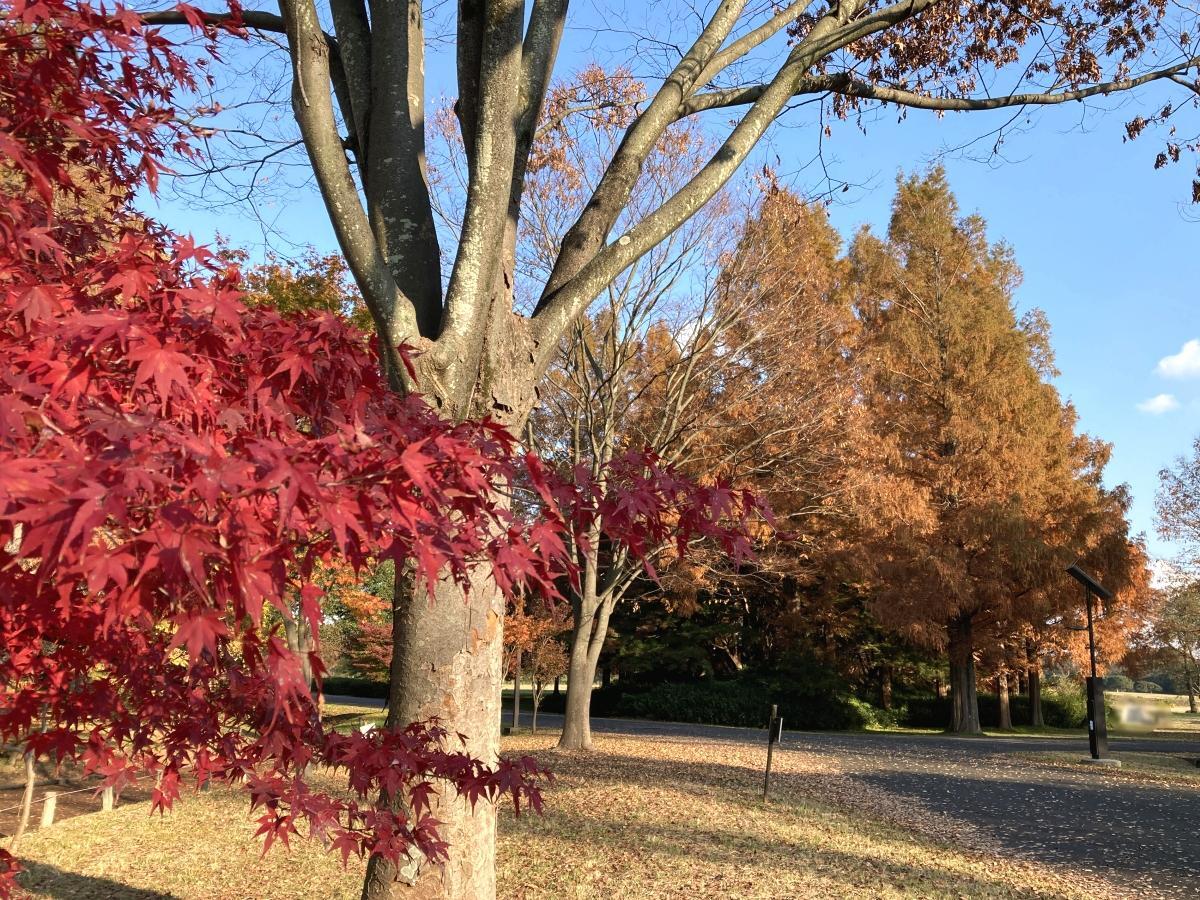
pixel 447 662
pixel 557 679
pixel 964 702
pixel 885 688
pixel 1002 694
pixel 537 696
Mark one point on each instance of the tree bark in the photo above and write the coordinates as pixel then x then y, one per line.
pixel 885 688
pixel 557 679
pixel 1005 706
pixel 1191 683
pixel 447 662
pixel 516 704
pixel 964 701
pixel 1035 692
pixel 581 674
pixel 590 615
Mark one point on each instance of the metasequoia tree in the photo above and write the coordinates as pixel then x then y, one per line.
pixel 358 97
pixel 975 439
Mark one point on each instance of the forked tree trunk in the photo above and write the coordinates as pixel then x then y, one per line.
pixel 1002 695
pixel 447 662
pixel 964 701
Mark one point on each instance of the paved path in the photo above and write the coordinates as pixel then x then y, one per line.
pixel 1140 835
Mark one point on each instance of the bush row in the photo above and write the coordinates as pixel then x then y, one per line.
pixel 1061 708
pixel 808 704
pixel 356 687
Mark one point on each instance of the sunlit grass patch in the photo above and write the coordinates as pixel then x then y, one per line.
pixel 640 818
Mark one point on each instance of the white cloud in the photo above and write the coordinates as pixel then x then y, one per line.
pixel 1184 364
pixel 1159 404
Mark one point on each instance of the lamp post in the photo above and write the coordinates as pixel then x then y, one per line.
pixel 1097 732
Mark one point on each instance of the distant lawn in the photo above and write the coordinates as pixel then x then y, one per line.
pixel 640 818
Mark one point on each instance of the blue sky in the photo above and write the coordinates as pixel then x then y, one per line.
pixel 1106 243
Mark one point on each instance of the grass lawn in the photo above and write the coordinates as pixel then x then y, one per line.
pixel 639 818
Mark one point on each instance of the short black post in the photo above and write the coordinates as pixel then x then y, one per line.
pixel 774 729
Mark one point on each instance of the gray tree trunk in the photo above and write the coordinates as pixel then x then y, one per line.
pixel 447 662
pixel 1190 678
pixel 587 640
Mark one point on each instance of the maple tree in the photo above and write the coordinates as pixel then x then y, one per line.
pixel 174 464
pixel 740 64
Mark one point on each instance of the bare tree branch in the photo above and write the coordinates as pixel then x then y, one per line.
pixel 846 84
pixel 394 314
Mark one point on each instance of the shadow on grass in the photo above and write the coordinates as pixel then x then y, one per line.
pixel 735 781
pixel 63 885
pixel 808 855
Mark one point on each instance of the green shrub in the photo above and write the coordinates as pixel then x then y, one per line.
pixel 1064 707
pixel 1147 687
pixel 1118 683
pixel 808 696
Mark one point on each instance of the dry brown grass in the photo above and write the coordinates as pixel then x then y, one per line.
pixel 639 818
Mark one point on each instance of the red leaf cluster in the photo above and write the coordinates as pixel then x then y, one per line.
pixel 172 462
pixel 167 457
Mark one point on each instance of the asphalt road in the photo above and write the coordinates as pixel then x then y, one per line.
pixel 1137 834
